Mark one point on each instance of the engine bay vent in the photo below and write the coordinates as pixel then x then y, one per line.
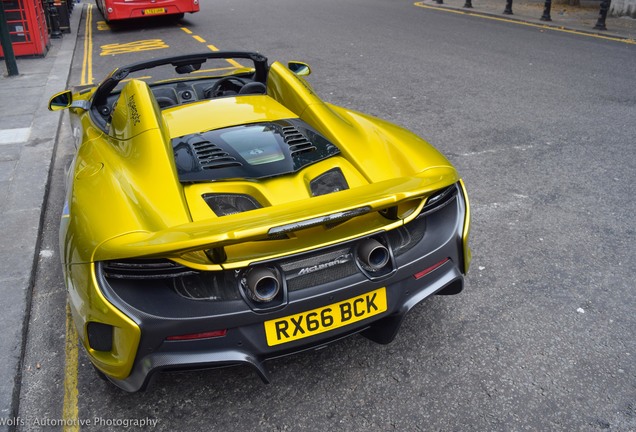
pixel 296 141
pixel 211 156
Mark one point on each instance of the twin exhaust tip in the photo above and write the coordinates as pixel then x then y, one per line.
pixel 373 255
pixel 263 284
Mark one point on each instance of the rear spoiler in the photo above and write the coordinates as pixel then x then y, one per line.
pixel 272 222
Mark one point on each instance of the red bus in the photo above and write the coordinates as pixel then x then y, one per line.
pixel 126 9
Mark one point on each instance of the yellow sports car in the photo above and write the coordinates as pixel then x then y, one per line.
pixel 219 213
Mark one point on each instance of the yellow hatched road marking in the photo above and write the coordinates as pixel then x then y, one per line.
pixel 132 47
pixel 102 26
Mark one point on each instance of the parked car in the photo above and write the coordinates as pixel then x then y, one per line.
pixel 219 214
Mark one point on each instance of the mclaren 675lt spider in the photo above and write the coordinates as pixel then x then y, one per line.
pixel 219 213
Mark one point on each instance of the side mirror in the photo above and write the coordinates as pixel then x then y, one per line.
pixel 61 101
pixel 299 68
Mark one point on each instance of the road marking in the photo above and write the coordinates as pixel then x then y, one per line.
pixel 142 78
pixel 132 47
pixel 497 150
pixel 70 409
pixel 214 70
pixel 230 61
pixel 102 26
pixel 87 64
pixel 13 136
pixel 513 21
pixel 211 47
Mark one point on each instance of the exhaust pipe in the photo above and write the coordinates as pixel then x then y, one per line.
pixel 373 254
pixel 263 284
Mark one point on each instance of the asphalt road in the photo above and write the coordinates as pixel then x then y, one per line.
pixel 541 126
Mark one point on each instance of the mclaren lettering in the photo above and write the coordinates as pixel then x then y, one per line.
pixel 340 260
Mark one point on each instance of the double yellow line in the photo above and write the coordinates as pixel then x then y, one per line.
pixel 87 62
pixel 70 409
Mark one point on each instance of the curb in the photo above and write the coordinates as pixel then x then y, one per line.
pixel 548 25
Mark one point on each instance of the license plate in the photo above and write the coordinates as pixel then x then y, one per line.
pixel 155 11
pixel 323 319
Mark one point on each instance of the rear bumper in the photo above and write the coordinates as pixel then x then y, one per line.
pixel 428 256
pixel 245 345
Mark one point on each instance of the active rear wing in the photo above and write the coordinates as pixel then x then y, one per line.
pixel 279 222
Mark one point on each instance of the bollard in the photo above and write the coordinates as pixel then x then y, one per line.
pixel 508 9
pixel 54 20
pixel 468 4
pixel 602 15
pixel 546 11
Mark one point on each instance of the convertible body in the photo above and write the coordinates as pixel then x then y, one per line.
pixel 229 216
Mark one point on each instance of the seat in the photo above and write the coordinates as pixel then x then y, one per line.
pixel 166 97
pixel 254 87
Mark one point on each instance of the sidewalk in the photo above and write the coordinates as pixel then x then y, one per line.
pixel 581 19
pixel 28 133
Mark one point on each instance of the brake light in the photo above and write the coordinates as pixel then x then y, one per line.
pixel 204 335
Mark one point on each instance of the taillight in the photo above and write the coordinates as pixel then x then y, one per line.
pixel 203 335
pixel 426 271
pixel 439 199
